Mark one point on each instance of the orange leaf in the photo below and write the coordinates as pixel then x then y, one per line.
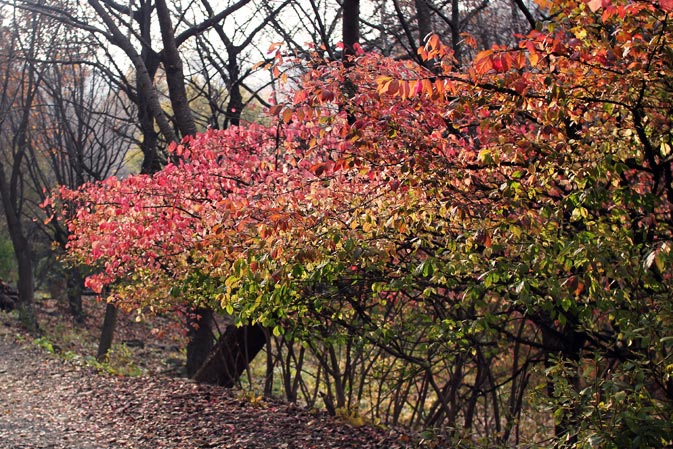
pixel 439 87
pixel 273 47
pixel 534 58
pixel 483 62
pixel 417 87
pixel 433 42
pixel 488 241
pixel 501 62
pixel 287 115
pixel 404 89
pixel 427 87
pixel 580 288
pixel 318 169
pixel 383 83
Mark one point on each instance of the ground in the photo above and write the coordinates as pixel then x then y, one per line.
pixel 51 398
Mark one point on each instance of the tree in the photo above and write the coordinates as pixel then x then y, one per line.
pixel 129 29
pixel 20 91
pixel 407 24
pixel 80 129
pixel 351 26
pixel 492 232
pixel 220 56
pixel 58 130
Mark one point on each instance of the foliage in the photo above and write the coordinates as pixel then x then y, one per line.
pixel 490 230
pixel 119 361
pixel 45 344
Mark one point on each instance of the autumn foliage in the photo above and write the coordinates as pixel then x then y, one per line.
pixel 493 229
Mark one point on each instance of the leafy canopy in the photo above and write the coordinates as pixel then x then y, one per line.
pixel 525 199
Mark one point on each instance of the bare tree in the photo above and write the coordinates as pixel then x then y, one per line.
pixel 220 77
pixel 18 92
pixel 60 125
pixel 81 137
pixel 489 21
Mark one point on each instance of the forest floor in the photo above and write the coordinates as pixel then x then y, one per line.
pixel 52 396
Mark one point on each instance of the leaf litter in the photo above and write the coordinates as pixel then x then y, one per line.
pixel 48 402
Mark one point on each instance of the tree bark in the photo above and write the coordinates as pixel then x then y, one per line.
pixel 11 186
pixel 152 161
pixel 566 343
pixel 423 19
pixel 22 252
pixel 144 80
pixel 175 77
pixel 234 351
pixel 201 339
pixel 235 106
pixel 74 284
pixel 455 30
pixel 25 286
pixel 351 26
pixel 107 331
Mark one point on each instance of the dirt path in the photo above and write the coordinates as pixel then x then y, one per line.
pixel 36 402
pixel 49 403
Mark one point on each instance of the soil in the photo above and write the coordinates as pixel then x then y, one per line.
pixel 50 398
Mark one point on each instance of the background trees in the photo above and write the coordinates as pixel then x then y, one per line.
pixel 19 91
pixel 62 125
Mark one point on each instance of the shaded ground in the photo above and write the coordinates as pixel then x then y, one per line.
pixel 47 402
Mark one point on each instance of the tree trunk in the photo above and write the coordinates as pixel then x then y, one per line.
pixel 235 106
pixel 107 331
pixel 74 284
pixel 351 36
pixel 236 348
pixel 152 160
pixel 175 78
pixel 143 78
pixel 455 30
pixel 565 343
pixel 22 250
pixel 11 191
pixel 423 19
pixel 25 287
pixel 200 339
pixel 351 26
